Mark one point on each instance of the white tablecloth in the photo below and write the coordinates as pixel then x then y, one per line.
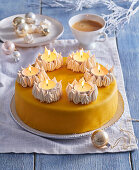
pixel 15 139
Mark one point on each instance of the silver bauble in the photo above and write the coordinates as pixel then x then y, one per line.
pixel 100 138
pixel 8 47
pixel 30 18
pixel 17 21
pixel 16 56
pixel 28 39
pixel 22 29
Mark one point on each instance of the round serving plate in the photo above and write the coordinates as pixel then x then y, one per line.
pixel 7 31
pixel 118 114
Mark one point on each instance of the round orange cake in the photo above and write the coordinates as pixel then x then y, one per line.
pixel 65 117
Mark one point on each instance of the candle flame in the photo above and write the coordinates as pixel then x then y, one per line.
pixel 82 83
pixel 45 54
pixel 29 68
pixel 49 53
pixel 46 82
pixel 81 53
pixel 54 51
pixel 39 54
pixel 98 67
pixel 45 50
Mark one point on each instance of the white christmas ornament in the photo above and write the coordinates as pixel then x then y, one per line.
pixel 45 22
pixel 8 47
pixel 17 21
pixel 30 18
pixel 22 30
pixel 28 39
pixel 32 28
pixel 100 138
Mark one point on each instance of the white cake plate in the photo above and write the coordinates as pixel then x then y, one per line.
pixel 7 32
pixel 118 114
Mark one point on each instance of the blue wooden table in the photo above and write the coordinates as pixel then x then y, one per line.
pixel 127 42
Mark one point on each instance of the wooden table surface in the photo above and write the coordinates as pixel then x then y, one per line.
pixel 127 42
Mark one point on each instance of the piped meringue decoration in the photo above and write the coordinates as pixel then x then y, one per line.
pixel 49 65
pixel 100 81
pixel 47 95
pixel 85 97
pixel 28 81
pixel 80 66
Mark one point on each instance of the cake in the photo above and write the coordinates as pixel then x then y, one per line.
pixel 64 116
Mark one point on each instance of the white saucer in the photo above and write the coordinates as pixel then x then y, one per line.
pixel 118 114
pixel 7 32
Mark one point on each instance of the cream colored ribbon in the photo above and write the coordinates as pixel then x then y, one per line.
pixel 126 139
